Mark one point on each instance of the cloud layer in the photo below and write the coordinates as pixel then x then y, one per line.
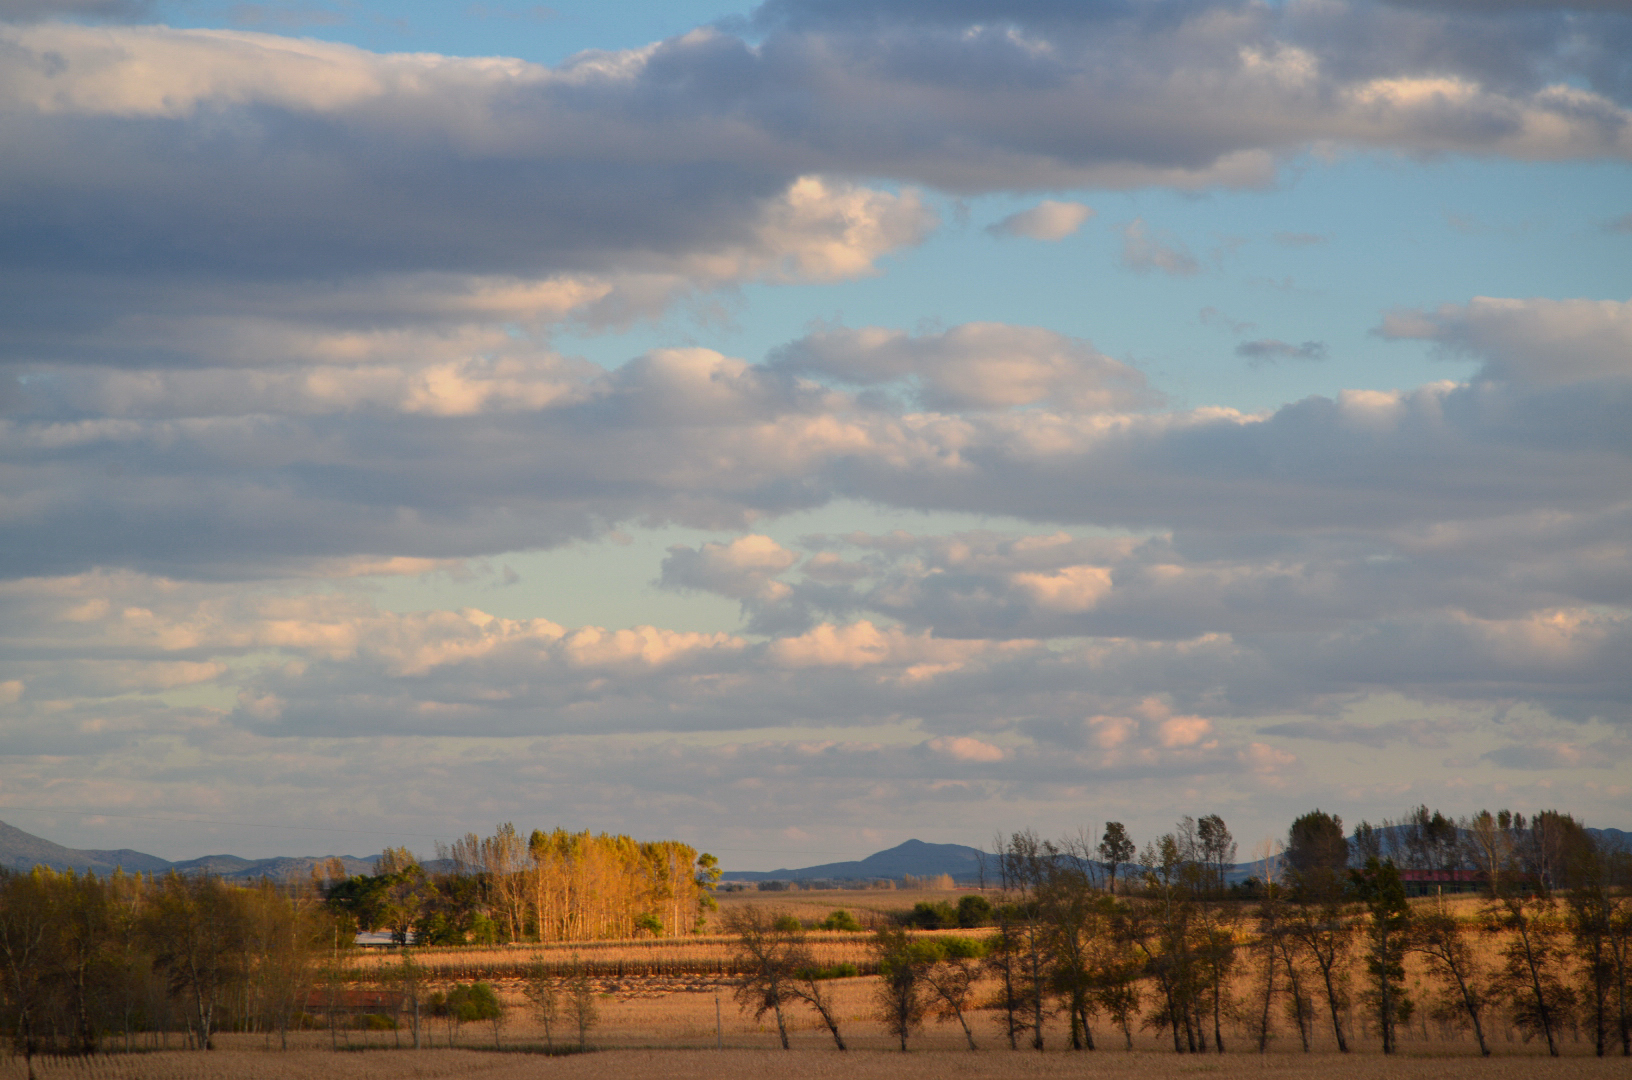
pixel 279 321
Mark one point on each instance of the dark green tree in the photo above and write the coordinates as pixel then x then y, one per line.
pixel 1387 929
pixel 1115 849
pixel 1317 854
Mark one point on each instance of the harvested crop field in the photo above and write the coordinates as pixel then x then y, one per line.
pixel 800 1064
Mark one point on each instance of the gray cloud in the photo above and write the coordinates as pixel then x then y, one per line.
pixel 488 457
pixel 1269 351
pixel 212 419
pixel 648 157
pixel 973 367
pixel 1425 734
pixel 1537 341
pixel 1502 7
pixel 34 10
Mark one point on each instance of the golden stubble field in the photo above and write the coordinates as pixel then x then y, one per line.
pixel 666 1027
pixel 861 1064
pixel 865 905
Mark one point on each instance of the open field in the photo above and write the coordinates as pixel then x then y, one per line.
pixel 802 1065
pixel 707 954
pixel 649 1014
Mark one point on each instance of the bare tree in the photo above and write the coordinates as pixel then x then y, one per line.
pixel 900 990
pixel 768 956
pixel 808 985
pixel 1533 959
pixel 1441 938
pixel 581 1007
pixel 1323 932
pixel 951 981
pixel 545 994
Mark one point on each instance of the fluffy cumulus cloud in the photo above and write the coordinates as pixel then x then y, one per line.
pixel 280 324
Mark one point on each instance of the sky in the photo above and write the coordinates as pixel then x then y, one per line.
pixel 793 428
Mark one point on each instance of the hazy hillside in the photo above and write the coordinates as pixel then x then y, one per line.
pixel 913 857
pixel 24 851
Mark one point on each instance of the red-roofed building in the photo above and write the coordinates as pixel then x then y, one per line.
pixel 1439 882
pixel 354 1002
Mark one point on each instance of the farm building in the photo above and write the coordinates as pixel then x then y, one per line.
pixel 354 1002
pixel 1443 882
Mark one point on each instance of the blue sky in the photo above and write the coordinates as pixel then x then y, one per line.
pixel 799 428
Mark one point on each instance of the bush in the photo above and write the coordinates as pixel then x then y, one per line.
pixel 376 1022
pixel 932 915
pixel 961 948
pixel 474 1002
pixel 650 924
pixel 974 911
pixel 787 924
pixel 837 971
pixel 841 920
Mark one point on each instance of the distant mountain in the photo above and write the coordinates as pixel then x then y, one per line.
pixel 24 851
pixel 1612 839
pixel 913 857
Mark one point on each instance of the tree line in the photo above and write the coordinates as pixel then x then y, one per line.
pixel 1083 929
pixel 1090 933
pixel 132 959
pixel 88 959
pixel 549 886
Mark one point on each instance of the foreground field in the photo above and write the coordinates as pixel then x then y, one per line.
pixel 799 1065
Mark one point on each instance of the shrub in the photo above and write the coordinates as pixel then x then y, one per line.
pixel 961 948
pixel 841 920
pixel 836 971
pixel 974 911
pixel 787 924
pixel 934 915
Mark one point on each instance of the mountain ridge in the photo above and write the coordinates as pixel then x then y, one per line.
pixel 23 851
pixel 20 850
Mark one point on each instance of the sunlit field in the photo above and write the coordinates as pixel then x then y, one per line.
pixel 665 1008
pixel 705 954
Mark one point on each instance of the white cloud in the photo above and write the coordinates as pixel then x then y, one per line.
pixel 219 430
pixel 1048 220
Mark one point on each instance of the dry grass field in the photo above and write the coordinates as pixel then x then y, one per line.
pixel 864 1064
pixel 694 954
pixel 648 1030
pixel 664 1025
